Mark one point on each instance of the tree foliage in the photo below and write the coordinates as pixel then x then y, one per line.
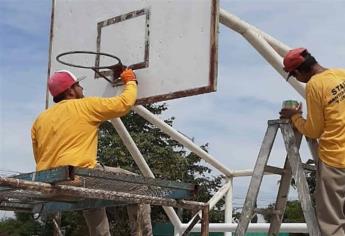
pixel 23 224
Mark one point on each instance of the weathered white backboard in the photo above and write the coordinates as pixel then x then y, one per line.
pixel 172 42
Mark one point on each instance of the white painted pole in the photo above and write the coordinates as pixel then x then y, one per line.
pixel 132 147
pixel 176 231
pixel 213 201
pixel 253 227
pixel 241 26
pixel 215 198
pixel 272 50
pixel 273 58
pixel 228 206
pixel 244 173
pixel 140 161
pixel 220 194
pixel 146 114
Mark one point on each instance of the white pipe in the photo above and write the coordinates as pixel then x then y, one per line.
pixel 272 50
pixel 228 207
pixel 176 231
pixel 215 198
pixel 248 172
pixel 272 57
pixel 219 195
pixel 147 115
pixel 132 147
pixel 241 26
pixel 141 163
pixel 254 227
pixel 242 173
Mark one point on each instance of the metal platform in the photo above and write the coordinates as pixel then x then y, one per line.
pixel 70 188
pixel 28 191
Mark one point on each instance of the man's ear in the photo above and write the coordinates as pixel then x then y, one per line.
pixel 70 93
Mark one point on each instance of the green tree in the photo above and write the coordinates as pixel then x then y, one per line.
pixel 167 159
pixel 22 225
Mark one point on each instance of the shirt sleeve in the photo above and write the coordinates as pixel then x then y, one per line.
pixel 100 109
pixel 34 141
pixel 313 126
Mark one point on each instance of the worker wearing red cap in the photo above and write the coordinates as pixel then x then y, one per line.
pixel 66 134
pixel 325 121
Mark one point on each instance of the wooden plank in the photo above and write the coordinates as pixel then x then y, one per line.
pixel 255 182
pixel 274 170
pixel 205 221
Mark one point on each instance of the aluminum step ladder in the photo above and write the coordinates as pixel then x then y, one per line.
pixel 293 168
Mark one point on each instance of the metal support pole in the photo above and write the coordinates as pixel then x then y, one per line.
pixel 253 227
pixel 146 114
pixel 240 26
pixel 271 49
pixel 176 231
pixel 228 206
pixel 132 147
pixel 220 194
pixel 141 163
pixel 271 56
pixel 212 202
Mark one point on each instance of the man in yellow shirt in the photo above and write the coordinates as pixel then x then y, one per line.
pixel 325 121
pixel 66 134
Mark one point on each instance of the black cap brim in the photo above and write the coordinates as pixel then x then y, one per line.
pixel 289 75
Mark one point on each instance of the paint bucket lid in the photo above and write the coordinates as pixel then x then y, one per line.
pixel 290 104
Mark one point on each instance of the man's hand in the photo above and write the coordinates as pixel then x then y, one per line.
pixel 128 75
pixel 287 113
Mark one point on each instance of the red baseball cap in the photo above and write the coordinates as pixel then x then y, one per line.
pixel 60 81
pixel 293 59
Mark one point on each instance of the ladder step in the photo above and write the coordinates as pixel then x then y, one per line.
pixel 293 169
pixel 274 170
pixel 265 211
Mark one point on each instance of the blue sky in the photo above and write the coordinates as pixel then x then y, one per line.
pixel 232 120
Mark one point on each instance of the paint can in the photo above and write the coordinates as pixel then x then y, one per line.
pixel 290 104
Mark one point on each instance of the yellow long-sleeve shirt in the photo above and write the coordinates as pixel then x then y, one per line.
pixel 325 96
pixel 66 133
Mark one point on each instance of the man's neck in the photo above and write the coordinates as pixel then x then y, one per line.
pixel 317 69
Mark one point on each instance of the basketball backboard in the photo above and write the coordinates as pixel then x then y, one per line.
pixel 171 43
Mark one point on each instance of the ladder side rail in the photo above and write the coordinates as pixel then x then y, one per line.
pixel 300 179
pixel 253 190
pixel 282 196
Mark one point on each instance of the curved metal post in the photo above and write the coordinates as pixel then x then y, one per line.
pixel 146 114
